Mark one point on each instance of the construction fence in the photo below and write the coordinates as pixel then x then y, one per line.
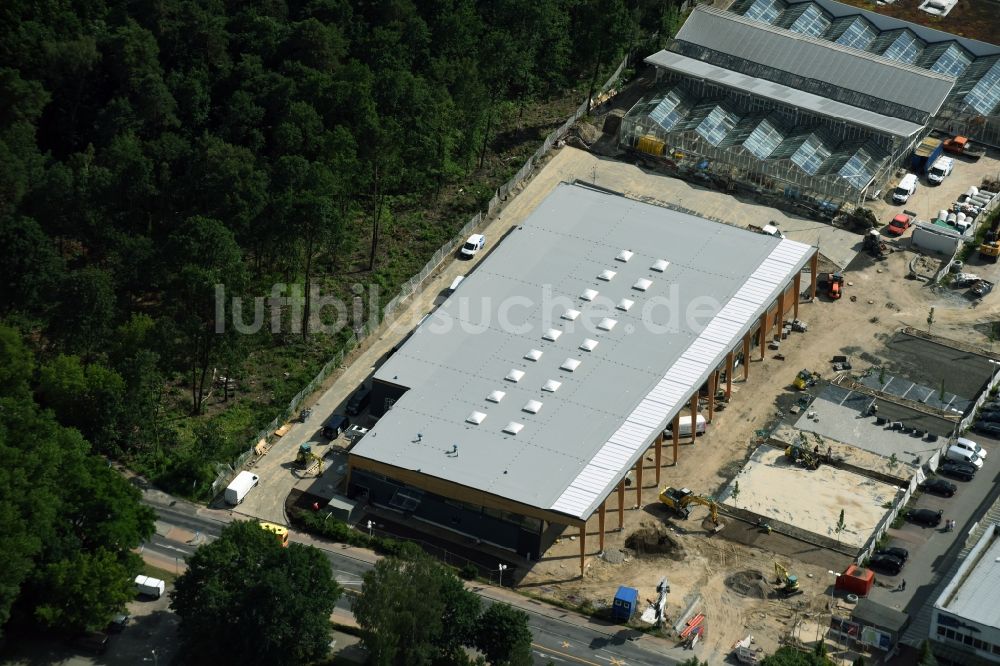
pixel 227 470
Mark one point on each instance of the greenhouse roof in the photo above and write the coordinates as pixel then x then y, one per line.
pixel 817 59
pixel 781 93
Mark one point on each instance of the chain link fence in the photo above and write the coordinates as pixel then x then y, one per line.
pixel 226 471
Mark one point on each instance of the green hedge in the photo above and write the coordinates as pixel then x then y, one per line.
pixel 324 524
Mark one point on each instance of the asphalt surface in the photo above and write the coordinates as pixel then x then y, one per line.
pixel 933 549
pixel 560 637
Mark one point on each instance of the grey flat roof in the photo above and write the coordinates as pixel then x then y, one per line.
pixel 816 58
pixel 782 93
pixel 586 435
pixel 928 363
pixel 972 593
pixel 878 615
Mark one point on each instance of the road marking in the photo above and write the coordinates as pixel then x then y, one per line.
pixel 565 644
pixel 615 661
pixel 568 656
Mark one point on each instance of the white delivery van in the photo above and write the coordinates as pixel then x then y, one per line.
pixel 241 485
pixel 958 454
pixel 149 586
pixel 940 170
pixel 905 189
pixel 970 446
pixel 685 429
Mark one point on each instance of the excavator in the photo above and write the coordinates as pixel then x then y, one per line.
pixel 680 499
pixel 306 457
pixel 789 582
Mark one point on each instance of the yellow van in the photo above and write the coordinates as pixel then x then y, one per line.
pixel 279 530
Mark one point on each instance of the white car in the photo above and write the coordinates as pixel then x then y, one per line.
pixel 970 446
pixel 472 246
pixel 454 284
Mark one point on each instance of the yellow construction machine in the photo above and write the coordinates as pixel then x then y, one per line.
pixel 680 499
pixel 306 457
pixel 789 582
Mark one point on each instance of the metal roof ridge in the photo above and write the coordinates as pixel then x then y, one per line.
pixel 739 18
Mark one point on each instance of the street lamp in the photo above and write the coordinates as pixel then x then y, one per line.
pixel 500 568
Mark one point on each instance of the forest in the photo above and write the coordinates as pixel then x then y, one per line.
pixel 153 149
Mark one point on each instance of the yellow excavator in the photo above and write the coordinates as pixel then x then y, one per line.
pixel 306 457
pixel 680 499
pixel 789 582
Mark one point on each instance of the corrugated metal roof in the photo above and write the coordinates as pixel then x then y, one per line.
pixel 817 59
pixel 589 434
pixel 822 106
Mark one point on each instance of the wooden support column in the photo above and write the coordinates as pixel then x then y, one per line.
pixel 761 337
pixel 638 481
pixel 798 290
pixel 814 278
pixel 729 375
pixel 600 523
pixel 711 395
pixel 676 435
pixel 621 505
pixel 694 416
pixel 746 357
pixel 659 454
pixel 583 547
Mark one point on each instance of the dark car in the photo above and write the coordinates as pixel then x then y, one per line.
pixel 118 623
pixel 359 401
pixel 992 415
pixel 887 563
pixel 939 487
pixel 987 428
pixel 335 425
pixel 958 470
pixel 899 553
pixel 925 517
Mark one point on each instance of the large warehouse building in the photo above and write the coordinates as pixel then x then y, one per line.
pixel 523 403
pixel 812 100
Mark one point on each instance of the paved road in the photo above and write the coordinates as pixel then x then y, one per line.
pixel 560 637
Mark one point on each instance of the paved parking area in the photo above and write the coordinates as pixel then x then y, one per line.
pixel 931 548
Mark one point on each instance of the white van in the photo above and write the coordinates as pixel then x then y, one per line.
pixel 685 429
pixel 237 491
pixel 905 189
pixel 149 586
pixel 958 454
pixel 970 446
pixel 941 170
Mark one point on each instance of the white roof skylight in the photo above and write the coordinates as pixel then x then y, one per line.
pixel 514 375
pixel 551 386
pixel 625 304
pixel 624 255
pixel 607 324
pixel 532 406
pixel 475 418
pixel 588 294
pixel 570 364
pixel 533 355
pixel 513 428
pixel 588 345
pixel 642 284
pixel 552 334
pixel 607 275
pixel 571 314
pixel 660 265
pixel 496 396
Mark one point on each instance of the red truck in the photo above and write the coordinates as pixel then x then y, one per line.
pixel 961 145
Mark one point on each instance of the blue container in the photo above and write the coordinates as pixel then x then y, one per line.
pixel 625 604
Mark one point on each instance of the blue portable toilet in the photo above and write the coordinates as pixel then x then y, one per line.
pixel 625 604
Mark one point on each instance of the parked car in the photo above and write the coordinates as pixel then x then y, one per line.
pixel 991 415
pixel 925 517
pixel 118 623
pixel 961 471
pixel 472 246
pixel 970 446
pixel 899 224
pixel 981 287
pixel 896 551
pixel 990 428
pixel 907 186
pixel 939 486
pixel 885 562
pixel 359 401
pixel 335 425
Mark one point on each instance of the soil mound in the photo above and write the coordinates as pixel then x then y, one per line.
pixel 654 540
pixel 749 584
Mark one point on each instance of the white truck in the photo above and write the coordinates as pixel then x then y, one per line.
pixel 149 586
pixel 241 485
pixel 940 170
